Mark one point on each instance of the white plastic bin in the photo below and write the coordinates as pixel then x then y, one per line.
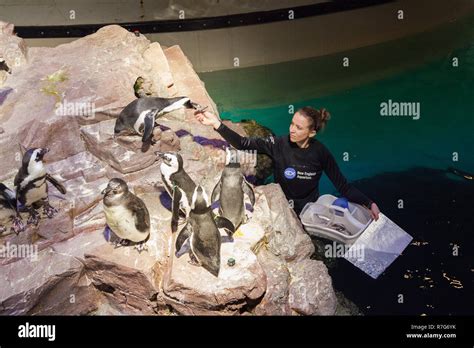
pixel 343 225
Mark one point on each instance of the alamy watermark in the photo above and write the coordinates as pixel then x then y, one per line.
pixel 393 108
pixel 66 108
pixel 22 251
pixel 337 250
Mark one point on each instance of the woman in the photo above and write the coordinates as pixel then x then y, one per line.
pixel 299 159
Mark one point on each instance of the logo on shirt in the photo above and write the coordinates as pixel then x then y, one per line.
pixel 290 173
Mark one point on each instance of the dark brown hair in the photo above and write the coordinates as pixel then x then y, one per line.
pixel 318 118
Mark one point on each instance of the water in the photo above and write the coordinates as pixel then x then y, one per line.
pixel 390 158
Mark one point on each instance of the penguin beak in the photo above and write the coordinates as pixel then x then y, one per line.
pixel 106 190
pixel 160 154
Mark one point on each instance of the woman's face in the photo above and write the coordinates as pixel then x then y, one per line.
pixel 300 128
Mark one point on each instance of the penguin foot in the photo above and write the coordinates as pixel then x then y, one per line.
pixel 49 210
pixel 2 229
pixel 192 260
pixel 121 243
pixel 33 219
pixel 140 247
pixel 17 225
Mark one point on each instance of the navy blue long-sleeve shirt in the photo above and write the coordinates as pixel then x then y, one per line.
pixel 297 170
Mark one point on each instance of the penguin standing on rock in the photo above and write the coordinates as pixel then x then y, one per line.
pixel 8 211
pixel 201 234
pixel 139 116
pixel 231 190
pixel 31 185
pixel 178 184
pixel 126 215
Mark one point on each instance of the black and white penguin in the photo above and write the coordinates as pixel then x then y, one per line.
pixel 139 116
pixel 230 190
pixel 126 214
pixel 178 184
pixel 4 66
pixel 31 186
pixel 201 233
pixel 8 211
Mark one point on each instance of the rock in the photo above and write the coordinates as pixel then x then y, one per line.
pixel 61 135
pixel 275 301
pixel 124 155
pixel 187 82
pixel 310 290
pixel 155 56
pixel 27 282
pixel 53 99
pixel 12 48
pixel 289 240
pixel 126 288
pixel 10 157
pixel 192 290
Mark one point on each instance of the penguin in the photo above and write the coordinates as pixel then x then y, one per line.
pixel 178 184
pixel 230 190
pixel 126 215
pixel 201 233
pixel 4 66
pixel 8 211
pixel 31 186
pixel 139 116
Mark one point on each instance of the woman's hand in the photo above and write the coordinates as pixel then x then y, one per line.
pixel 208 119
pixel 374 211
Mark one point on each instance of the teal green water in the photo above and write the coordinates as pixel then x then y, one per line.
pixel 375 143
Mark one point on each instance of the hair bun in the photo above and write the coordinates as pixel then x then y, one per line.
pixel 325 115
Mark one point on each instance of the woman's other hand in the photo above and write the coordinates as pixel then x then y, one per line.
pixel 374 211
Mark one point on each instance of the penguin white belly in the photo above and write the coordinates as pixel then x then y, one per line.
pixel 39 192
pixel 139 123
pixel 122 222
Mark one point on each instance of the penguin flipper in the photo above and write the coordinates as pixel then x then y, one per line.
pixel 248 190
pixel 149 123
pixel 216 191
pixel 60 187
pixel 140 213
pixel 207 254
pixel 9 196
pixel 182 244
pixel 177 195
pixel 224 223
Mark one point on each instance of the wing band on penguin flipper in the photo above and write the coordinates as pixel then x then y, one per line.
pixel 149 124
pixel 60 187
